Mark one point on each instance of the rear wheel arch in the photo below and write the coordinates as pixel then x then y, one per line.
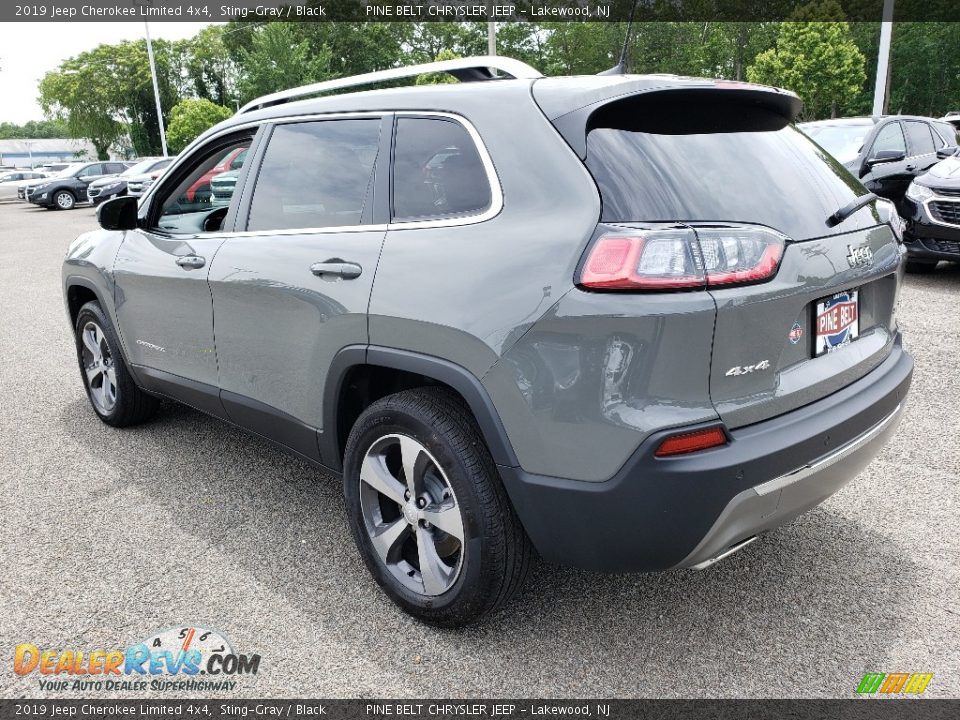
pixel 360 375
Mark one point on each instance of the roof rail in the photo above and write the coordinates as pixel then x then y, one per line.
pixel 464 69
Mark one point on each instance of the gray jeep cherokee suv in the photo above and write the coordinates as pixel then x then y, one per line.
pixel 628 322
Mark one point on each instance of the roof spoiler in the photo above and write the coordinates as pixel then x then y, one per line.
pixel 470 69
pixel 686 108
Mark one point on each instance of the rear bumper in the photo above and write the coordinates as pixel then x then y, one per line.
pixel 686 511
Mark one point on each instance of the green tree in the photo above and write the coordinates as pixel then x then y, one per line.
pixel 581 48
pixel 212 70
pixel 440 77
pixel 189 118
pixel 816 59
pixel 279 58
pixel 34 129
pixel 925 68
pixel 77 95
pixel 106 94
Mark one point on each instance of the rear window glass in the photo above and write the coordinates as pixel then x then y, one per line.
pixel 777 178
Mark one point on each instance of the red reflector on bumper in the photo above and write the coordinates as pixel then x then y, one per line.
pixel 692 442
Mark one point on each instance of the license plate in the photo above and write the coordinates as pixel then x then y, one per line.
pixel 837 321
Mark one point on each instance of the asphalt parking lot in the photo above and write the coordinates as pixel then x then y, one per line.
pixel 110 535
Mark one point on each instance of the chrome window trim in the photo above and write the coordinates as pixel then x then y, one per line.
pixel 493 180
pixel 496 189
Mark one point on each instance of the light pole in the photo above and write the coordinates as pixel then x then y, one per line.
pixel 153 76
pixel 156 88
pixel 883 59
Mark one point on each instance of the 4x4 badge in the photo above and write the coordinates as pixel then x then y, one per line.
pixel 862 255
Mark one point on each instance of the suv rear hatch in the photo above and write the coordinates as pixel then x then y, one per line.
pixel 721 163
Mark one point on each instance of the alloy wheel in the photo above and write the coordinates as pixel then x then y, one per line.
pixel 411 515
pixel 64 201
pixel 98 367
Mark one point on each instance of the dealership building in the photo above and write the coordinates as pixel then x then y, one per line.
pixel 30 153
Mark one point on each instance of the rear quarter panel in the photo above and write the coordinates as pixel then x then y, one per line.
pixel 467 293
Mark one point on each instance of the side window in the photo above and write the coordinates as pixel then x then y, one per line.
pixel 116 167
pixel 91 170
pixel 918 133
pixel 437 171
pixel 207 186
pixel 890 137
pixel 315 174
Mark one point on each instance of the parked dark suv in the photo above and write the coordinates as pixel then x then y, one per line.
pixel 68 188
pixel 885 153
pixel 932 212
pixel 628 321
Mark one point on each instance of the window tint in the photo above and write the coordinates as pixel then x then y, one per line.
pixel 184 207
pixel 777 178
pixel 315 174
pixel 947 133
pixel 919 134
pixel 116 167
pixel 890 137
pixel 437 171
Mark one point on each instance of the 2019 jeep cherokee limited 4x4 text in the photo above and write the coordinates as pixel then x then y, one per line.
pixel 628 322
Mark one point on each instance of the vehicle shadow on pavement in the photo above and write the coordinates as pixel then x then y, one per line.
pixel 801 611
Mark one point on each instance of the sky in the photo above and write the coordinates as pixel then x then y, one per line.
pixel 29 50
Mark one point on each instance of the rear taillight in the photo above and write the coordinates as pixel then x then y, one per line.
pixel 681 258
pixel 689 442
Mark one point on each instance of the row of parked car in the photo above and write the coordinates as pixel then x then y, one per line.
pixel 94 182
pixel 911 161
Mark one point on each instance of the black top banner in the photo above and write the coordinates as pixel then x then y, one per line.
pixel 500 11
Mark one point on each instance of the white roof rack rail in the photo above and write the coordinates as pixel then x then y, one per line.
pixel 464 69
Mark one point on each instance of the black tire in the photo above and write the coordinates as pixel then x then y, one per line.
pixel 64 200
pixel 921 266
pixel 495 551
pixel 130 404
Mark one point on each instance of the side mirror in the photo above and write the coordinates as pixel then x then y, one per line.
pixel 886 156
pixel 118 214
pixel 948 151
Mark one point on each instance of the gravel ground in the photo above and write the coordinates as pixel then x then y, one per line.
pixel 113 534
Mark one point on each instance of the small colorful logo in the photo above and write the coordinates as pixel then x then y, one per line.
pixel 894 683
pixel 197 659
pixel 796 332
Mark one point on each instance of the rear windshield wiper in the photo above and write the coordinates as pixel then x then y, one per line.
pixel 849 209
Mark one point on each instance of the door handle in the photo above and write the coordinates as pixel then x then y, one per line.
pixel 911 167
pixel 335 267
pixel 191 262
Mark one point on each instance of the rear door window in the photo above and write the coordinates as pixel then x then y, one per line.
pixel 91 171
pixel 315 174
pixel 918 133
pixel 437 171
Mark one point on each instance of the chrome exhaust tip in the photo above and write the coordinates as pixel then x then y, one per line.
pixel 726 553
